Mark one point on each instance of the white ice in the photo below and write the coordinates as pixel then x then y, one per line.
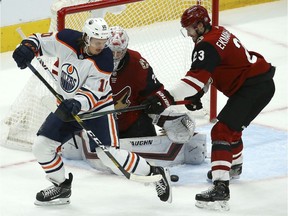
pixel 262 189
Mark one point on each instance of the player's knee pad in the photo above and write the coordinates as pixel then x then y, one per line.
pixel 221 132
pixel 43 148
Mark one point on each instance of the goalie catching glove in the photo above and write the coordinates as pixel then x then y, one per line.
pixel 24 53
pixel 179 127
pixel 157 103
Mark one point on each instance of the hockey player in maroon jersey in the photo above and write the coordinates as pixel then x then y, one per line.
pixel 132 81
pixel 245 77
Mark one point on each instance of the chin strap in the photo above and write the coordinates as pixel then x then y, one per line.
pixel 86 51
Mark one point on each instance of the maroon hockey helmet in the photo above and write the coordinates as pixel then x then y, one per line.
pixel 194 15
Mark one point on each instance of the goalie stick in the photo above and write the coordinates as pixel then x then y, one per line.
pixel 131 176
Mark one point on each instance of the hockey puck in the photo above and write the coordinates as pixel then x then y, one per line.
pixel 174 178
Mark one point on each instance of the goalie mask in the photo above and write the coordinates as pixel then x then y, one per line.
pixel 95 28
pixel 118 42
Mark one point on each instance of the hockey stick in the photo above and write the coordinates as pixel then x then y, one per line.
pixel 87 116
pixel 138 178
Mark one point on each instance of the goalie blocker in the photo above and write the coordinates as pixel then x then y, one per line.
pixel 157 150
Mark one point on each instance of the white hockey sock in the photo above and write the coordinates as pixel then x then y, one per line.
pixel 130 161
pixel 44 149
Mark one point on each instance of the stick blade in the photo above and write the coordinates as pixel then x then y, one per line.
pixel 145 179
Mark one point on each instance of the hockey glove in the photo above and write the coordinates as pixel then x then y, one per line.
pixel 196 103
pixel 68 107
pixel 157 103
pixel 24 53
pixel 179 127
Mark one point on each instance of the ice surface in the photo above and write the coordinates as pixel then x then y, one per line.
pixel 262 189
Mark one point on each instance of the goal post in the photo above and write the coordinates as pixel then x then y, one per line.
pixel 153 27
pixel 143 13
pixel 213 90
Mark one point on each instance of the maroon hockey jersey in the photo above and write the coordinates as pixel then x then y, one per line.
pixel 131 83
pixel 221 56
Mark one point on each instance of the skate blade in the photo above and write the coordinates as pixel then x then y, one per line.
pixel 216 205
pixel 232 178
pixel 59 201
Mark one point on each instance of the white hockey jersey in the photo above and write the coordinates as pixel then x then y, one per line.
pixel 84 78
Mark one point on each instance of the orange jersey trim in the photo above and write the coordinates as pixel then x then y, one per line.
pixel 114 135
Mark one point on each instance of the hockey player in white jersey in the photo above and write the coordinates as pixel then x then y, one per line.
pixel 85 66
pixel 132 81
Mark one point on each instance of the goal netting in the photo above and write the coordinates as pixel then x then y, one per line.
pixel 153 27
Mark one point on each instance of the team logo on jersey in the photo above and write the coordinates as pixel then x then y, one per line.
pixel 69 78
pixel 122 98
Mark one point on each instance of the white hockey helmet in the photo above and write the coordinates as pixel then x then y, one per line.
pixel 95 28
pixel 118 42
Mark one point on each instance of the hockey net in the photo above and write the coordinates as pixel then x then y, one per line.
pixel 153 27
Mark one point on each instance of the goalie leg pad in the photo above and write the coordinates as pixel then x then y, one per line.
pixel 195 150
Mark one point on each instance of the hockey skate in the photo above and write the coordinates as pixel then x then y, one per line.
pixel 163 187
pixel 234 172
pixel 215 198
pixel 55 194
